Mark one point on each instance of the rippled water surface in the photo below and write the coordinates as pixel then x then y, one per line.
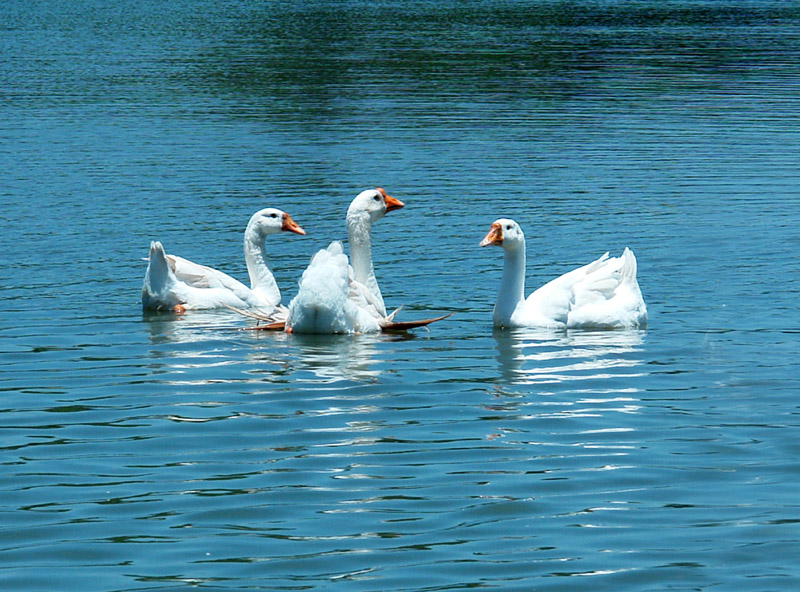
pixel 153 452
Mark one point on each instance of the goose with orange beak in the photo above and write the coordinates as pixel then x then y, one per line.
pixel 604 294
pixel 177 284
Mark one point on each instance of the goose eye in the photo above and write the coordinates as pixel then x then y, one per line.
pixel 377 198
pixel 508 227
pixel 273 215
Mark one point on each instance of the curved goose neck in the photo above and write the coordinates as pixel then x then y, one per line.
pixel 512 284
pixel 261 278
pixel 359 232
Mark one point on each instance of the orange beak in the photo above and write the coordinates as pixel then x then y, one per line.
pixel 494 236
pixel 391 202
pixel 290 225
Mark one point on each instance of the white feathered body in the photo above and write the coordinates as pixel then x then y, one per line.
pixel 171 280
pixel 601 295
pixel 329 299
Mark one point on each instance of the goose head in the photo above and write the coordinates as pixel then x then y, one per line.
pixel 272 221
pixel 372 204
pixel 504 233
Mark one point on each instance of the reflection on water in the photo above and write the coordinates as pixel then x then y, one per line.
pixel 204 340
pixel 331 358
pixel 196 327
pixel 542 356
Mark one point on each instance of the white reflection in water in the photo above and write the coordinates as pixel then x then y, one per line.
pixel 212 338
pixel 204 340
pixel 207 347
pixel 331 358
pixel 544 356
pixel 195 327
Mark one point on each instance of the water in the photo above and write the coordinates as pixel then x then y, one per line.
pixel 150 453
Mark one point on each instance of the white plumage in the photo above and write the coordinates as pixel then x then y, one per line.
pixel 175 283
pixel 601 295
pixel 340 296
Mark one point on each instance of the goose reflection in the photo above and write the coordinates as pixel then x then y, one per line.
pixel 546 356
pixel 210 338
pixel 331 358
pixel 194 349
pixel 201 326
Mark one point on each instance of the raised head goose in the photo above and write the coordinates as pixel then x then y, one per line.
pixel 601 295
pixel 175 283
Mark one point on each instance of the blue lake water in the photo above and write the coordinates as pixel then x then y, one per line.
pixel 146 452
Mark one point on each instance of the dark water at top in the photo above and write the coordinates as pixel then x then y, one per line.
pixel 161 453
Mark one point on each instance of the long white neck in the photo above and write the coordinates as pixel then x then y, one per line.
pixel 359 229
pixel 512 285
pixel 261 278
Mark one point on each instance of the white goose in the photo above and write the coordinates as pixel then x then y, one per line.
pixel 336 296
pixel 341 296
pixel 177 284
pixel 601 295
